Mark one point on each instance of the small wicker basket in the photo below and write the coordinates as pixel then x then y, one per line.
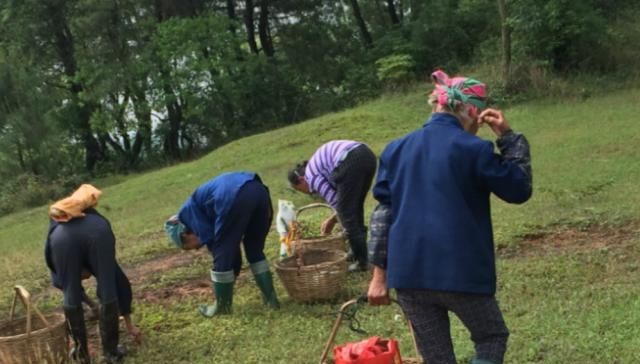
pixel 22 341
pixel 313 274
pixel 324 358
pixel 334 241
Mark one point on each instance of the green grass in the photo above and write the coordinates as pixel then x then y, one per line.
pixel 567 307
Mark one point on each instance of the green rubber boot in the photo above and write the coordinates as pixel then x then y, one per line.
pixel 264 280
pixel 223 290
pixel 481 361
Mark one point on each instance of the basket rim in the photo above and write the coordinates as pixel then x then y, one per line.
pixel 322 237
pixel 44 330
pixel 312 267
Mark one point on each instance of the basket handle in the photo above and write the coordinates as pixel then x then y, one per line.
pixel 25 298
pixel 336 326
pixel 314 206
pixel 318 205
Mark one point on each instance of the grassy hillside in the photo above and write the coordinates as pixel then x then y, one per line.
pixel 566 288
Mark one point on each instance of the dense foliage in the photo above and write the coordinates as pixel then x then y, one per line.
pixel 89 87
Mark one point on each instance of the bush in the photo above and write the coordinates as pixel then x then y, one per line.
pixel 28 190
pixel 395 71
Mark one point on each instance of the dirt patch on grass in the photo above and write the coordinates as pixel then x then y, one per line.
pixel 143 271
pixel 572 238
pixel 146 275
pixel 193 288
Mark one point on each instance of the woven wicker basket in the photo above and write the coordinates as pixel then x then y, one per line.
pixel 43 341
pixel 334 241
pixel 325 359
pixel 313 274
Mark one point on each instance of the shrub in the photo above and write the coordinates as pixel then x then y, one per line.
pixel 396 70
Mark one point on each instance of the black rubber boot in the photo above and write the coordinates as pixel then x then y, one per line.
pixel 109 334
pixel 75 321
pixel 358 244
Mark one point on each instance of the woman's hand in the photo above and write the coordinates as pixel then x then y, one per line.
pixel 378 293
pixel 495 119
pixel 327 226
pixel 133 330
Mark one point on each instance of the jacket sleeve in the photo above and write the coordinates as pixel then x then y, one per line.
pixel 125 295
pixel 199 220
pixel 378 241
pixel 508 174
pixel 381 189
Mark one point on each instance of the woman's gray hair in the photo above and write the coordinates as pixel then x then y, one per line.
pixel 458 112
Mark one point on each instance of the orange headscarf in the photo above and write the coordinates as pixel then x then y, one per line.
pixel 73 206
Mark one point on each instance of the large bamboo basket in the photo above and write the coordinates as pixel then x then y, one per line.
pixel 313 274
pixel 23 341
pixel 325 359
pixel 334 241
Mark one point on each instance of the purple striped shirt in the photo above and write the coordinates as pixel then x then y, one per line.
pixel 322 164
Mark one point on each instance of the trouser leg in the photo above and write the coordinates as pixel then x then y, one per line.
pixel 353 178
pixel 431 325
pixel 103 266
pixel 78 331
pixel 481 315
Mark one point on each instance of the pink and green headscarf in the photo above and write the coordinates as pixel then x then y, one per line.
pixel 452 92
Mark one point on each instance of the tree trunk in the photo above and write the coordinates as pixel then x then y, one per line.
pixel 171 140
pixel 506 45
pixel 249 24
pixel 143 115
pixel 391 8
pixel 364 32
pixel 231 13
pixel 166 9
pixel 415 9
pixel 23 165
pixel 231 9
pixel 263 29
pixel 64 45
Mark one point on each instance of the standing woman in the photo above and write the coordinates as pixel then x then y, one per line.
pixel 432 230
pixel 341 171
pixel 224 212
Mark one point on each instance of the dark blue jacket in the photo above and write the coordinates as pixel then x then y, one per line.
pixel 123 286
pixel 205 210
pixel 438 180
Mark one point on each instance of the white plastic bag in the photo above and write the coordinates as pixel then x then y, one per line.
pixel 284 220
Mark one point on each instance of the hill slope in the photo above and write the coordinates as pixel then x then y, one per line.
pixel 585 163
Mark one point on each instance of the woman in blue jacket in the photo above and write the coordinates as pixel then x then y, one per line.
pixel 431 232
pixel 231 209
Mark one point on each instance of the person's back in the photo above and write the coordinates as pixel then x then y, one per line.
pixel 439 189
pixel 210 202
pixel 80 230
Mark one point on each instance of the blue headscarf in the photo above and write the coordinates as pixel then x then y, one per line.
pixel 174 229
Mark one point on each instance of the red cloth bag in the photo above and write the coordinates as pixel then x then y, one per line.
pixel 373 350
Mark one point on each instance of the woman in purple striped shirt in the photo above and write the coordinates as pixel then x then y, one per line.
pixel 341 172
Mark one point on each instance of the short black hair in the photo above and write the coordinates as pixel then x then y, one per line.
pixel 296 172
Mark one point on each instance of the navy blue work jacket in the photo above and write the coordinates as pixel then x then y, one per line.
pixel 206 209
pixel 438 180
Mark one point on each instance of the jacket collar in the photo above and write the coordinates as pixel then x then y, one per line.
pixel 442 118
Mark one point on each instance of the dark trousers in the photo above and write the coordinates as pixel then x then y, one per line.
pixel 84 243
pixel 248 222
pixel 123 286
pixel 352 179
pixel 428 312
